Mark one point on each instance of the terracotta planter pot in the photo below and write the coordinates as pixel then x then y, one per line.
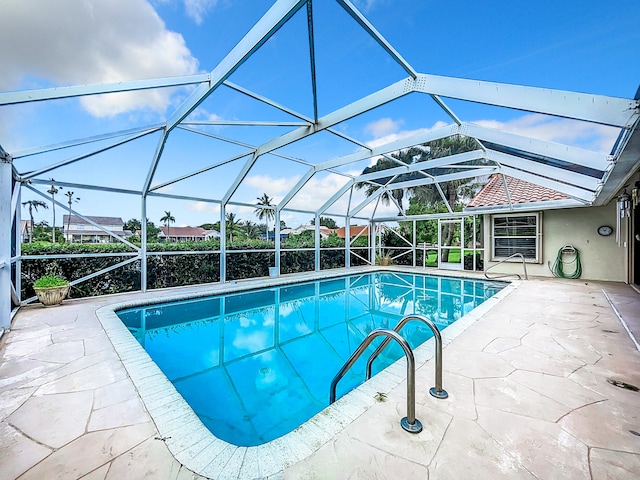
pixel 52 295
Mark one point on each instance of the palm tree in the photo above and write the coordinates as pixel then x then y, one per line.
pixel 52 191
pixel 264 212
pixel 428 195
pixel 33 205
pixel 70 200
pixel 233 226
pixel 384 163
pixel 167 219
pixel 250 229
pixel 454 191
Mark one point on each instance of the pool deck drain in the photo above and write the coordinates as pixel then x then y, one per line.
pixel 527 380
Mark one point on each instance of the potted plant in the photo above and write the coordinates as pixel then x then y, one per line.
pixel 384 259
pixel 51 289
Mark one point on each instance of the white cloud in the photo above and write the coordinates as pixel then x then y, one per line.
pixel 197 9
pixel 204 207
pixel 594 137
pixel 272 186
pixel 367 5
pixel 165 189
pixel 399 135
pixel 70 42
pixel 247 213
pixel 585 135
pixel 320 188
pixel 382 127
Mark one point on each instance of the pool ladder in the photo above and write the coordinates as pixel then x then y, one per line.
pixel 524 267
pixel 409 423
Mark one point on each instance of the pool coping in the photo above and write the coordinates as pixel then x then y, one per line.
pixel 195 447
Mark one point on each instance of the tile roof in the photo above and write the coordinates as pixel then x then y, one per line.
pixel 76 220
pixel 520 191
pixel 355 230
pixel 185 231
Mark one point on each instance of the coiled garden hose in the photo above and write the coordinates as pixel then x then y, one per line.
pixel 559 264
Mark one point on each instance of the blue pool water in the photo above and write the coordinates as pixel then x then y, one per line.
pixel 255 365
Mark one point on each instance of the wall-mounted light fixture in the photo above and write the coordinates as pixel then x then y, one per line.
pixel 635 195
pixel 624 211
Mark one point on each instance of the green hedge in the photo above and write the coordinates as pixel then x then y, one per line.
pixel 186 269
pixel 167 270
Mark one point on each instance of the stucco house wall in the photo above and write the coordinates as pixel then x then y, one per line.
pixel 601 257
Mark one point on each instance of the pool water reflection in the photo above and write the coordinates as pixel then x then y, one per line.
pixel 255 365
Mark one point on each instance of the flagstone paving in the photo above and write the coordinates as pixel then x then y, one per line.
pixel 531 396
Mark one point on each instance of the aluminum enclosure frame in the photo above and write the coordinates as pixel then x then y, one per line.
pixel 543 163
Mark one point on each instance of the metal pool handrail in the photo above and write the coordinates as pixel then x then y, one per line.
pixel 524 266
pixel 410 423
pixel 436 391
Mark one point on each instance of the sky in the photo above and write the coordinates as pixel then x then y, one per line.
pixel 588 46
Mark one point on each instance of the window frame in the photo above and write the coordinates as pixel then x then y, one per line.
pixel 537 237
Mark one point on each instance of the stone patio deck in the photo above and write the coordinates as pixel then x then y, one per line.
pixel 530 396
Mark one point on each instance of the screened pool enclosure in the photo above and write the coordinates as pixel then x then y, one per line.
pixel 165 161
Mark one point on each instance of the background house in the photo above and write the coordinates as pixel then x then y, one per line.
pixel 355 230
pixel 324 232
pixel 78 230
pixel 186 234
pixel 530 220
pixel 25 231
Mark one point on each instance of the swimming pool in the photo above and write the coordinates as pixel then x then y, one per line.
pixel 255 365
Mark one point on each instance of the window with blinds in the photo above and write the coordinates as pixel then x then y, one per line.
pixel 516 234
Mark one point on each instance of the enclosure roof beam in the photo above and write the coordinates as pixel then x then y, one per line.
pixel 296 188
pixel 287 110
pixel 416 139
pixel 553 150
pixel 253 148
pixel 562 175
pixel 83 141
pixel 348 138
pixel 312 59
pixel 428 181
pixel 155 161
pixel 425 165
pixel 183 197
pixel 370 29
pixel 38 181
pixel 445 200
pixel 526 207
pixel 335 197
pixel 544 148
pixel 265 100
pixel 239 178
pixel 365 104
pixel 374 196
pixel 270 22
pixel 198 172
pixel 109 146
pixel 613 111
pixel 446 109
pixel 242 144
pixel 248 123
pixel 471 173
pixel 24 96
pixel 584 196
pixel 506 190
pixel 625 166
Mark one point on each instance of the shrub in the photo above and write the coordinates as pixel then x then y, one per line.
pixel 173 270
pixel 50 281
